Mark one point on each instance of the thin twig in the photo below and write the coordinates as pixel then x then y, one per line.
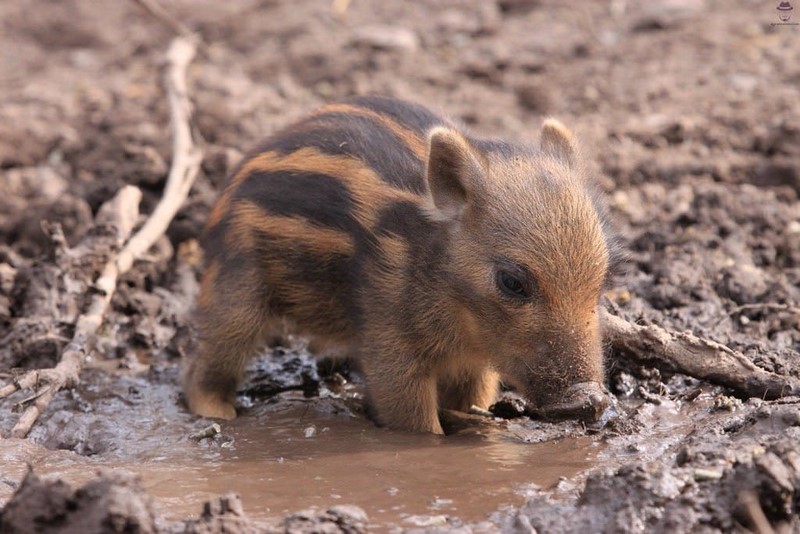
pixel 67 372
pixel 185 166
pixel 186 155
pixel 21 404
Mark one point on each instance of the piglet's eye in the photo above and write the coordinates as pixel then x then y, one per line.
pixel 511 285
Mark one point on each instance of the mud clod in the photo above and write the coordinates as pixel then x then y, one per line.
pixel 336 520
pixel 221 515
pixel 509 407
pixel 112 502
pixel 116 503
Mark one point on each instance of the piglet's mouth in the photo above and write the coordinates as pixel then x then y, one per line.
pixel 585 401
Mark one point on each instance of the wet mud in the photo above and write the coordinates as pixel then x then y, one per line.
pixel 292 448
pixel 688 114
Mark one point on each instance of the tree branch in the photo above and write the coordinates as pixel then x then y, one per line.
pixel 122 212
pixel 701 358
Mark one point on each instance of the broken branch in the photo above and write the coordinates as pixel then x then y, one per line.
pixel 686 353
pixel 122 212
pixel 185 160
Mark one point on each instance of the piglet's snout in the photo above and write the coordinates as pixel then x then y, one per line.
pixel 585 401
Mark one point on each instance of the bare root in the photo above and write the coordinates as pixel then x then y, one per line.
pixel 701 358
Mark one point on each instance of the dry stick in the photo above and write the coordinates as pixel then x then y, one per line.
pixel 751 507
pixel 122 211
pixel 701 358
pixel 186 157
pixel 185 166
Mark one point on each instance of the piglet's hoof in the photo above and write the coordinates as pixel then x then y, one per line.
pixel 211 407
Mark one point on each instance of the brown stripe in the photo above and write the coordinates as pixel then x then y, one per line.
pixel 219 209
pixel 369 192
pixel 268 161
pixel 249 220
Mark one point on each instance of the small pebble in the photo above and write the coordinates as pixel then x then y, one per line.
pixel 725 403
pixel 701 475
pixel 427 520
pixel 208 432
pixel 385 37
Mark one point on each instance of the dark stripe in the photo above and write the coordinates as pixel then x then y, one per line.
pixel 324 201
pixel 213 239
pixel 425 252
pixel 319 198
pixel 331 278
pixel 429 271
pixel 425 238
pixel 425 271
pixel 412 116
pixel 239 281
pixel 359 137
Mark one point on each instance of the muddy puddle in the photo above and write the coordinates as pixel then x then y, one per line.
pixel 296 456
pixel 290 452
pixel 392 476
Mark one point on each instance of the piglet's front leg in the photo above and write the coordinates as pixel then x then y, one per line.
pixel 400 397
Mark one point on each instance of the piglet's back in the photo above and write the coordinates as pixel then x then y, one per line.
pixel 303 210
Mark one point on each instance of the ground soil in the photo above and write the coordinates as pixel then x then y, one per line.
pixel 688 113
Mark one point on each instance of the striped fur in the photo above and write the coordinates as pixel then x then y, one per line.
pixel 377 229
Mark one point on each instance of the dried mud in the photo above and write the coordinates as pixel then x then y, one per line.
pixel 688 112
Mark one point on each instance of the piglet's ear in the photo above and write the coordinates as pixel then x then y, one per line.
pixel 454 171
pixel 558 142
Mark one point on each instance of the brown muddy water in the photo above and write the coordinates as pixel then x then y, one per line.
pixel 297 456
pixel 290 452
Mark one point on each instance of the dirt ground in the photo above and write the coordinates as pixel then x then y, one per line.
pixel 688 112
